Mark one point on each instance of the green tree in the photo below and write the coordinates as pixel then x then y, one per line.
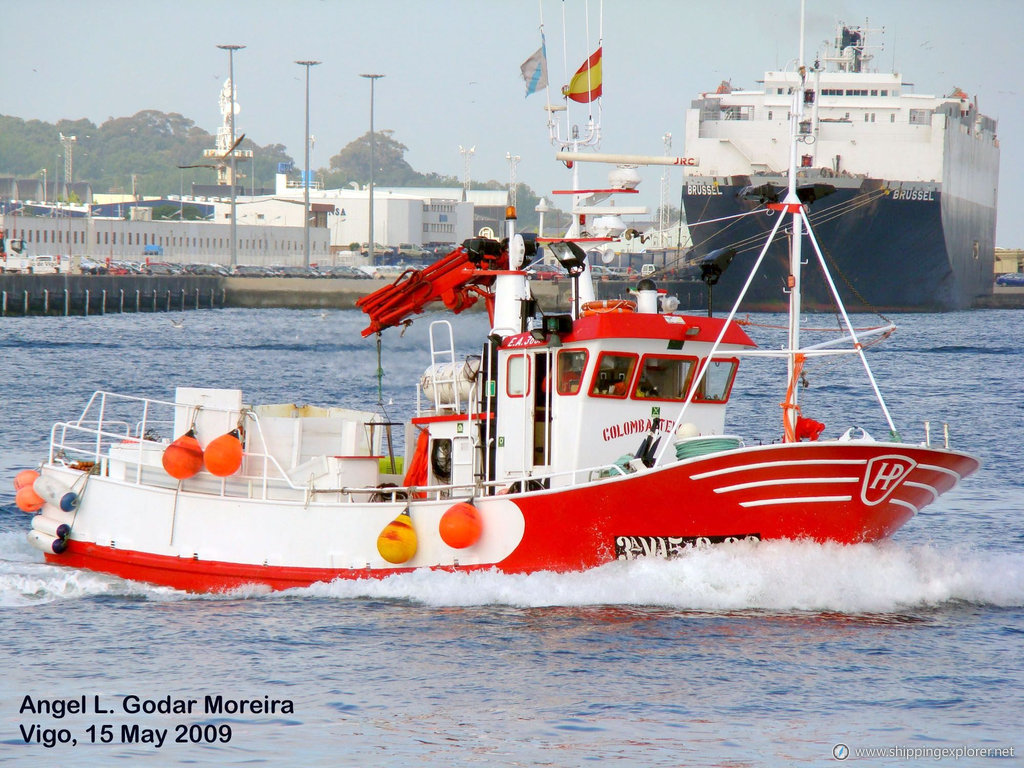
pixel 142 151
pixel 353 163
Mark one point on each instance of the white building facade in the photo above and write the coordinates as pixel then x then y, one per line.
pixel 400 216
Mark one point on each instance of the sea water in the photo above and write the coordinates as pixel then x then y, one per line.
pixel 744 654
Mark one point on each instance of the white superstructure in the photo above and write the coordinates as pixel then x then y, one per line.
pixel 859 123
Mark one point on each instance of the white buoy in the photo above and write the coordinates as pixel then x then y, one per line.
pixel 54 512
pixel 45 543
pixel 56 493
pixel 50 527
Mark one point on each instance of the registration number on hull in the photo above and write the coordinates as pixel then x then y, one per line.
pixel 635 547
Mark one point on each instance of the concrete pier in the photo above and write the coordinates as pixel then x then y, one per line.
pixel 106 294
pixel 331 293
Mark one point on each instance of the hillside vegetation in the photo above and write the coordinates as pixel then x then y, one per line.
pixel 142 154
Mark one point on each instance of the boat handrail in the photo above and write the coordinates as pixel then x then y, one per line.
pixel 436 492
pixel 63 450
pixel 273 476
pixel 101 439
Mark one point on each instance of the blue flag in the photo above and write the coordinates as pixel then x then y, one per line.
pixel 535 70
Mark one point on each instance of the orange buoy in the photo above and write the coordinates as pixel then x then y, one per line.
pixel 223 456
pixel 28 500
pixel 397 542
pixel 183 458
pixel 25 477
pixel 461 526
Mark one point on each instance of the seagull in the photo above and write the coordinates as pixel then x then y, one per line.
pixel 323 315
pixel 178 323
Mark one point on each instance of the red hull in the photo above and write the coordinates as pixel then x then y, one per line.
pixel 843 492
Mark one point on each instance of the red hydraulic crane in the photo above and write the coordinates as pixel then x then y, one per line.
pixel 457 280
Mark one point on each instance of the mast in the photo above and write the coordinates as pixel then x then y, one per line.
pixel 570 138
pixel 793 206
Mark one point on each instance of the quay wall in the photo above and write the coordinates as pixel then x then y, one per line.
pixel 334 293
pixel 101 294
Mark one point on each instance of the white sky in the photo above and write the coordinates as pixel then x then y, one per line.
pixel 452 70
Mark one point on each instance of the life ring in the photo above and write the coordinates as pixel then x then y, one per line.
pixel 604 306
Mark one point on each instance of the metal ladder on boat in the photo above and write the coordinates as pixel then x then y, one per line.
pixel 442 368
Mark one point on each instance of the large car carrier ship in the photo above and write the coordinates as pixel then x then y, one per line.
pixel 915 176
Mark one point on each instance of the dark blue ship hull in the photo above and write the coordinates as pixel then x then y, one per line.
pixel 890 246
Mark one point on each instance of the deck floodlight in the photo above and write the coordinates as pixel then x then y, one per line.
pixel 811 192
pixel 569 255
pixel 481 248
pixel 715 263
pixel 762 193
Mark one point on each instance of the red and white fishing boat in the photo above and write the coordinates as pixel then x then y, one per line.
pixel 575 439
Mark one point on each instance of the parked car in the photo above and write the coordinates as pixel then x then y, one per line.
pixel 162 268
pixel 1012 278
pixel 389 271
pixel 345 271
pixel 130 267
pixel 413 251
pixel 90 267
pixel 440 250
pixel 384 252
pixel 217 270
pixel 251 270
pixel 546 272
pixel 293 271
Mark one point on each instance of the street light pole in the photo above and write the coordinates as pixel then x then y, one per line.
pixel 372 79
pixel 305 181
pixel 231 76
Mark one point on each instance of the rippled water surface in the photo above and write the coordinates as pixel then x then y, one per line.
pixel 741 655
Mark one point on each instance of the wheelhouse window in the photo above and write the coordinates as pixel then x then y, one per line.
pixel 570 367
pixel 517 374
pixel 664 377
pixel 716 384
pixel 614 374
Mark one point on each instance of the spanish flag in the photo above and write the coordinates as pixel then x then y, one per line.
pixel 585 85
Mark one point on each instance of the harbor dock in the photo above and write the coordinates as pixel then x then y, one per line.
pixel 65 294
pixel 105 294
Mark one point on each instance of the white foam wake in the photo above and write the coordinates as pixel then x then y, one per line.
pixel 774 576
pixel 741 576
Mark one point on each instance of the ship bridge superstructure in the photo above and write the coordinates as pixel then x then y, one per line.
pixel 857 123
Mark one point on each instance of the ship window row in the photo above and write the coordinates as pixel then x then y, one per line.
pixel 618 375
pixel 917 116
pixel 856 92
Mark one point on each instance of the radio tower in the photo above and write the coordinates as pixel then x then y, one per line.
pixel 223 149
pixel 69 154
